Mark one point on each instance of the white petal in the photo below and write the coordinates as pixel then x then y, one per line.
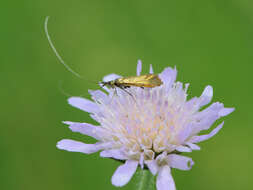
pixel 197 139
pixel 87 129
pixel 152 166
pixel 83 104
pixel 206 96
pixel 76 146
pixel 151 69
pixel 183 149
pixel 139 66
pixel 114 153
pixel 124 173
pixel 226 111
pixel 111 77
pixel 164 179
pixel 180 162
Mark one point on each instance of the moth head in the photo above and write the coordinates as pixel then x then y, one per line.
pixel 110 84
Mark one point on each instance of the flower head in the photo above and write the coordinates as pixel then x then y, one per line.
pixel 151 127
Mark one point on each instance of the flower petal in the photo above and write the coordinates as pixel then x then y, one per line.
pixel 183 149
pixel 151 69
pixel 83 104
pixel 69 122
pixel 124 173
pixel 206 117
pixel 99 96
pixel 141 160
pixel 161 158
pixel 164 179
pixel 180 162
pixel 184 134
pixel 206 96
pixel 87 129
pixel 152 166
pixel 226 111
pixel 111 77
pixel 168 76
pixel 197 139
pixel 113 153
pixel 139 66
pixel 76 146
pixel 193 146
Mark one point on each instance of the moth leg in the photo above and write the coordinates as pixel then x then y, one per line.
pixel 123 88
pixel 114 94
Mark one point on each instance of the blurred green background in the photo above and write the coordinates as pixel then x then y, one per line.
pixel 210 42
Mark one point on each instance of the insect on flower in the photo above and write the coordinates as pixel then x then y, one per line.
pixel 148 81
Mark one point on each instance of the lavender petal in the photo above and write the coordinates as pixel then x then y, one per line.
pixel 99 96
pixel 152 166
pixel 164 179
pixel 207 117
pixel 183 149
pixel 151 69
pixel 139 67
pixel 168 76
pixel 83 104
pixel 113 153
pixel 193 146
pixel 87 129
pixel 180 162
pixel 124 173
pixel 76 146
pixel 111 77
pixel 197 139
pixel 226 111
pixel 206 96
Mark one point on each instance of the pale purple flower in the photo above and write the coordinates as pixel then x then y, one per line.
pixel 151 127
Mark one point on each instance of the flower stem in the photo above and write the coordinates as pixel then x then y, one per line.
pixel 146 180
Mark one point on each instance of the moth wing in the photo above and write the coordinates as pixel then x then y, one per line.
pixel 149 80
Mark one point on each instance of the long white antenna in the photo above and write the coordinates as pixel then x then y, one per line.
pixel 55 51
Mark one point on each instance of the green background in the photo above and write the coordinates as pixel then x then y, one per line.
pixel 210 42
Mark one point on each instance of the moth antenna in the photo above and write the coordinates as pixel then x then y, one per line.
pixel 113 95
pixel 55 51
pixel 65 93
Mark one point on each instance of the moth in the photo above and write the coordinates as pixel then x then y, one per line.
pixel 148 81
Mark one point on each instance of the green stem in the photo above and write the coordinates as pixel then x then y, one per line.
pixel 146 181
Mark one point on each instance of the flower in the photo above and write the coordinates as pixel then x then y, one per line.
pixel 151 127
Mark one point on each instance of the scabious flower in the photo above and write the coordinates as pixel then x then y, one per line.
pixel 150 128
